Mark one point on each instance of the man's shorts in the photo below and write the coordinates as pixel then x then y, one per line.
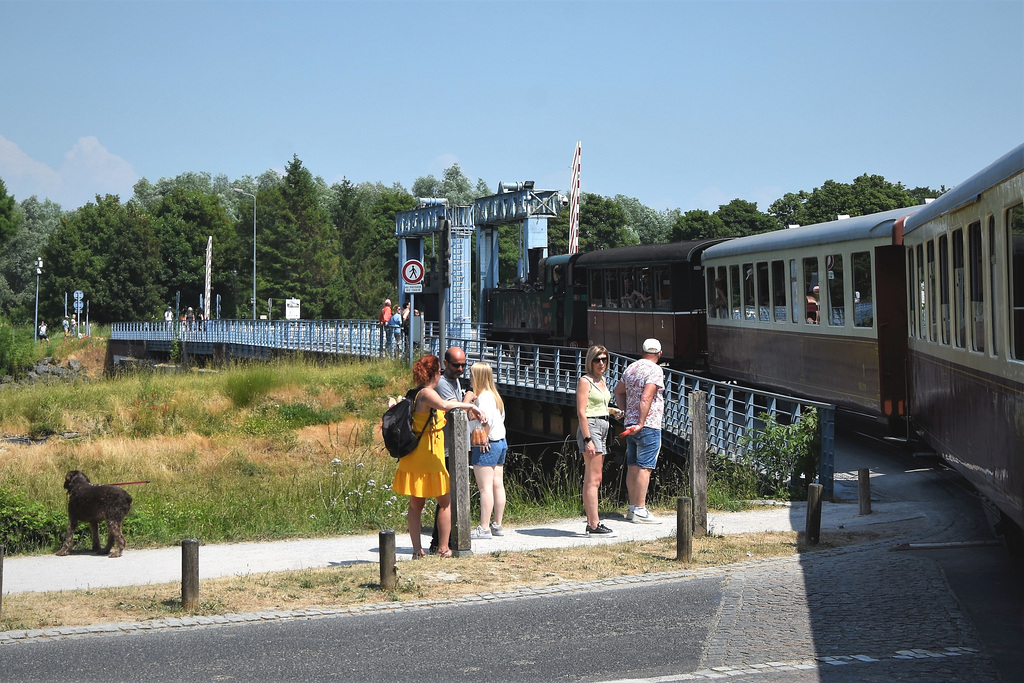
pixel 493 457
pixel 642 448
pixel 598 432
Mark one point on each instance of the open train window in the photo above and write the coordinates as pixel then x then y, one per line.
pixel 712 293
pixel 976 273
pixel 812 296
pixel 959 289
pixel 912 294
pixel 993 275
pixel 797 298
pixel 596 289
pixel 763 293
pixel 863 295
pixel 933 293
pixel 662 288
pixel 835 308
pixel 944 286
pixel 779 290
pixel 734 292
pixel 720 297
pixel 1015 247
pixel 611 289
pixel 748 292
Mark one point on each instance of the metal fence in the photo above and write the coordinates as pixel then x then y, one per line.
pixel 542 373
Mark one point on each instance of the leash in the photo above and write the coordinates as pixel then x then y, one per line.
pixel 129 483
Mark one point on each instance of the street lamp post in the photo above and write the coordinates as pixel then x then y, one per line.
pixel 39 271
pixel 241 191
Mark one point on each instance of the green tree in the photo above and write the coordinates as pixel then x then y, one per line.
pixel 38 221
pixel 9 215
pixel 698 224
pixel 110 251
pixel 742 218
pixel 603 224
pixel 649 226
pixel 299 250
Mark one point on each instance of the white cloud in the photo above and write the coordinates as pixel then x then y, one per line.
pixel 88 169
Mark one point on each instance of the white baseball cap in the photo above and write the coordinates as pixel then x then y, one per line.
pixel 387 301
pixel 652 346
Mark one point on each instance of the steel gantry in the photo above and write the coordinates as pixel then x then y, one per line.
pixel 514 203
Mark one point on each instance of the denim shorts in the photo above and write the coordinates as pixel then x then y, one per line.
pixel 642 448
pixel 493 457
pixel 598 432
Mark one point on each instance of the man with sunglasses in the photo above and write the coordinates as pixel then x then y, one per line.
pixel 450 388
pixel 642 390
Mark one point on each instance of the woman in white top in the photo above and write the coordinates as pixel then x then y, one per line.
pixel 488 459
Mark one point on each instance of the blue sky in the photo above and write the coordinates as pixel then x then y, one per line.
pixel 681 104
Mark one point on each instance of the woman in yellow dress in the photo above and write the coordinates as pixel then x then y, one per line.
pixel 422 474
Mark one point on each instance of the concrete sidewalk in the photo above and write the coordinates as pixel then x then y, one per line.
pixel 85 570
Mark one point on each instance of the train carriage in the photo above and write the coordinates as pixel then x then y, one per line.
pixel 965 297
pixel 817 311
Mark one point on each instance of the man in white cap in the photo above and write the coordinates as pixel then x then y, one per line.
pixel 642 391
pixel 382 322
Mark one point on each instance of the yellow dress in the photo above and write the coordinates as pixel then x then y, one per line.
pixel 422 473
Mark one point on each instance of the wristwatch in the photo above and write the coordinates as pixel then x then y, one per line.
pixel 587 439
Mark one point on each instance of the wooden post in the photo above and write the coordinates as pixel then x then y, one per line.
pixel 458 460
pixel 813 527
pixel 190 574
pixel 699 460
pixel 684 530
pixel 864 490
pixel 388 569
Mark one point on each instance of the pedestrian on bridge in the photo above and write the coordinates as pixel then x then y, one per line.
pixel 642 390
pixel 592 413
pixel 422 474
pixel 382 322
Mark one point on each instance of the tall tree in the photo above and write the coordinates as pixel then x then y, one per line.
pixel 299 249
pixel 17 269
pixel 9 215
pixel 603 224
pixel 698 224
pixel 648 225
pixel 742 218
pixel 110 251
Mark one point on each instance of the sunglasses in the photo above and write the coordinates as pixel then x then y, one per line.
pixel 601 359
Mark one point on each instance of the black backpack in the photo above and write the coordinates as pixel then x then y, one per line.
pixel 396 426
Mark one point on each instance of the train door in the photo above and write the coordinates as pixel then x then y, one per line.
pixel 892 327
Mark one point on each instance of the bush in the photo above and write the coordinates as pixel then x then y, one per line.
pixel 26 526
pixel 245 385
pixel 16 349
pixel 784 458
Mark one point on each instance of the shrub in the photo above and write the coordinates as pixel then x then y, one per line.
pixel 784 458
pixel 26 526
pixel 245 386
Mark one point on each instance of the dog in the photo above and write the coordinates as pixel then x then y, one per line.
pixel 95 503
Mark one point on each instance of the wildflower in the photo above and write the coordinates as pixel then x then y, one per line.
pixel 388 502
pixel 312 516
pixel 371 482
pixel 359 465
pixel 336 461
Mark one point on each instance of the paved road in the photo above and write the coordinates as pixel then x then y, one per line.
pixel 861 613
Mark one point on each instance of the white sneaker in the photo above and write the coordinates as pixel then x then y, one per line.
pixel 644 516
pixel 629 513
pixel 496 530
pixel 480 533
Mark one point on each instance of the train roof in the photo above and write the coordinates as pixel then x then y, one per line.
pixel 970 190
pixel 646 254
pixel 875 225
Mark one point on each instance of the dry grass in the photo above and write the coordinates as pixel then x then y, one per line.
pixel 432 578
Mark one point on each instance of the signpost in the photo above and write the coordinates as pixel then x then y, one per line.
pixel 412 274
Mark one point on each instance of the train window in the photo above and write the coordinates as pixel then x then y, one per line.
pixel 645 285
pixel 812 297
pixel 1015 230
pixel 763 293
pixel 748 292
pixel 933 292
pixel 794 288
pixel 611 289
pixel 976 273
pixel 944 286
pixel 779 290
pixel 734 292
pixel 721 299
pixel 712 299
pixel 836 305
pixel 596 289
pixel 632 297
pixel 863 296
pixel 911 293
pixel 993 275
pixel 959 289
pixel 663 289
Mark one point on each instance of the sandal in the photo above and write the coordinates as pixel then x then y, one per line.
pixel 419 555
pixel 444 553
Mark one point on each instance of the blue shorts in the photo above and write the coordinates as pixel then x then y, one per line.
pixel 493 457
pixel 642 448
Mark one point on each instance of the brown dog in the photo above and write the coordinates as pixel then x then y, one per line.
pixel 95 503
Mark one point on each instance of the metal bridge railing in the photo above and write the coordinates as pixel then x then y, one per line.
pixel 542 373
